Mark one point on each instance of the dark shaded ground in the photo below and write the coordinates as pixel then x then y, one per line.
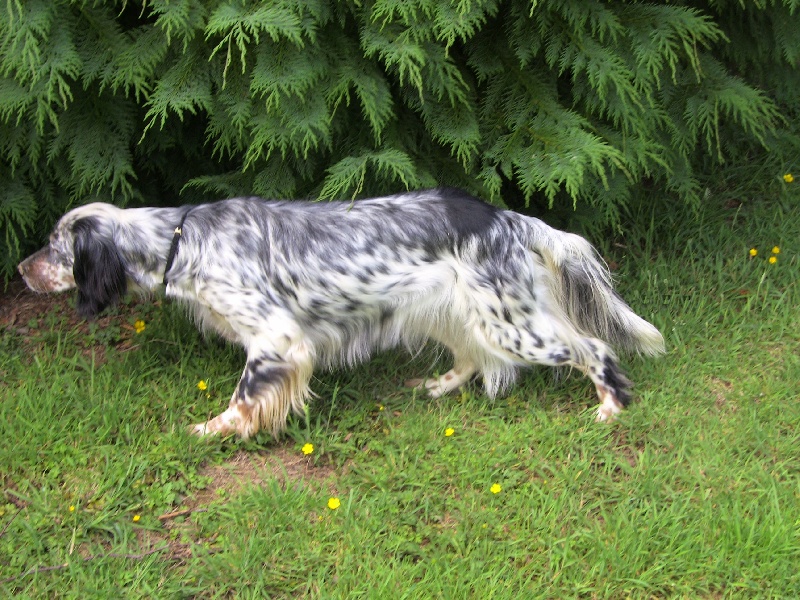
pixel 19 305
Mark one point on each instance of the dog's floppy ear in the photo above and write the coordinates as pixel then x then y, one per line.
pixel 99 270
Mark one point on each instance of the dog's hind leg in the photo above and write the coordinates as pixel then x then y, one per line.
pixel 546 340
pixel 271 385
pixel 462 371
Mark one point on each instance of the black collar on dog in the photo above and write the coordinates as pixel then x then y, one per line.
pixel 173 249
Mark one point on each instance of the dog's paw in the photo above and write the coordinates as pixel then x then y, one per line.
pixel 432 386
pixel 201 430
pixel 609 408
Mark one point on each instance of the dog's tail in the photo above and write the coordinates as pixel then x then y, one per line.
pixel 583 287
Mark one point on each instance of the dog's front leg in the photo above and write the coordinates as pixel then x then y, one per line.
pixel 270 386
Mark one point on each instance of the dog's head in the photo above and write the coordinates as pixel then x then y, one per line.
pixel 82 253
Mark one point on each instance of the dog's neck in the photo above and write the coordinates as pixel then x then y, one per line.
pixel 173 247
pixel 149 243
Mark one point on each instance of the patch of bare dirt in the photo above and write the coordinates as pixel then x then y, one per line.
pixel 19 306
pixel 282 463
pixel 243 469
pixel 28 314
pixel 723 392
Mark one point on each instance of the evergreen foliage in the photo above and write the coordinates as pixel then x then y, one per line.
pixel 573 101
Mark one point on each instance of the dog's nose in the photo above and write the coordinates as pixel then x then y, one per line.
pixel 24 267
pixel 27 265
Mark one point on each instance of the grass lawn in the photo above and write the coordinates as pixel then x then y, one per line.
pixel 694 492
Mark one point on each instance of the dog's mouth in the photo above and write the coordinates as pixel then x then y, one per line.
pixel 42 275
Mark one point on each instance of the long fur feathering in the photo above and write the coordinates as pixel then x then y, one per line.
pixel 306 285
pixel 584 286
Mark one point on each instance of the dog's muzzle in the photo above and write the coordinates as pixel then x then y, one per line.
pixel 42 275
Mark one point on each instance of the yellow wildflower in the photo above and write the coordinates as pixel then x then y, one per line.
pixel 776 250
pixel 773 260
pixel 788 178
pixel 307 449
pixel 139 326
pixel 449 431
pixel 753 252
pixel 333 503
pixel 202 385
pixel 495 489
pixel 71 508
pixel 136 518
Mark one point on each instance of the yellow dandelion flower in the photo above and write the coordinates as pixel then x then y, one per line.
pixel 495 489
pixel 139 326
pixel 788 178
pixel 776 250
pixel 333 503
pixel 773 260
pixel 449 431
pixel 71 508
pixel 307 449
pixel 753 252
pixel 136 518
pixel 202 385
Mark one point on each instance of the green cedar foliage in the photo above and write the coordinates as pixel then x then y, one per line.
pixel 570 101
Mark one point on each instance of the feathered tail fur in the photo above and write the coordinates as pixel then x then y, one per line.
pixel 583 286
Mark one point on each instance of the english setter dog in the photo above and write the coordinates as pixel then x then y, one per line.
pixel 303 285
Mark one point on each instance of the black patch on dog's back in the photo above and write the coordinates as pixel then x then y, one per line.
pixel 467 216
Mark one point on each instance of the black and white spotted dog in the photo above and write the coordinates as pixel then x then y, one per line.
pixel 302 285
